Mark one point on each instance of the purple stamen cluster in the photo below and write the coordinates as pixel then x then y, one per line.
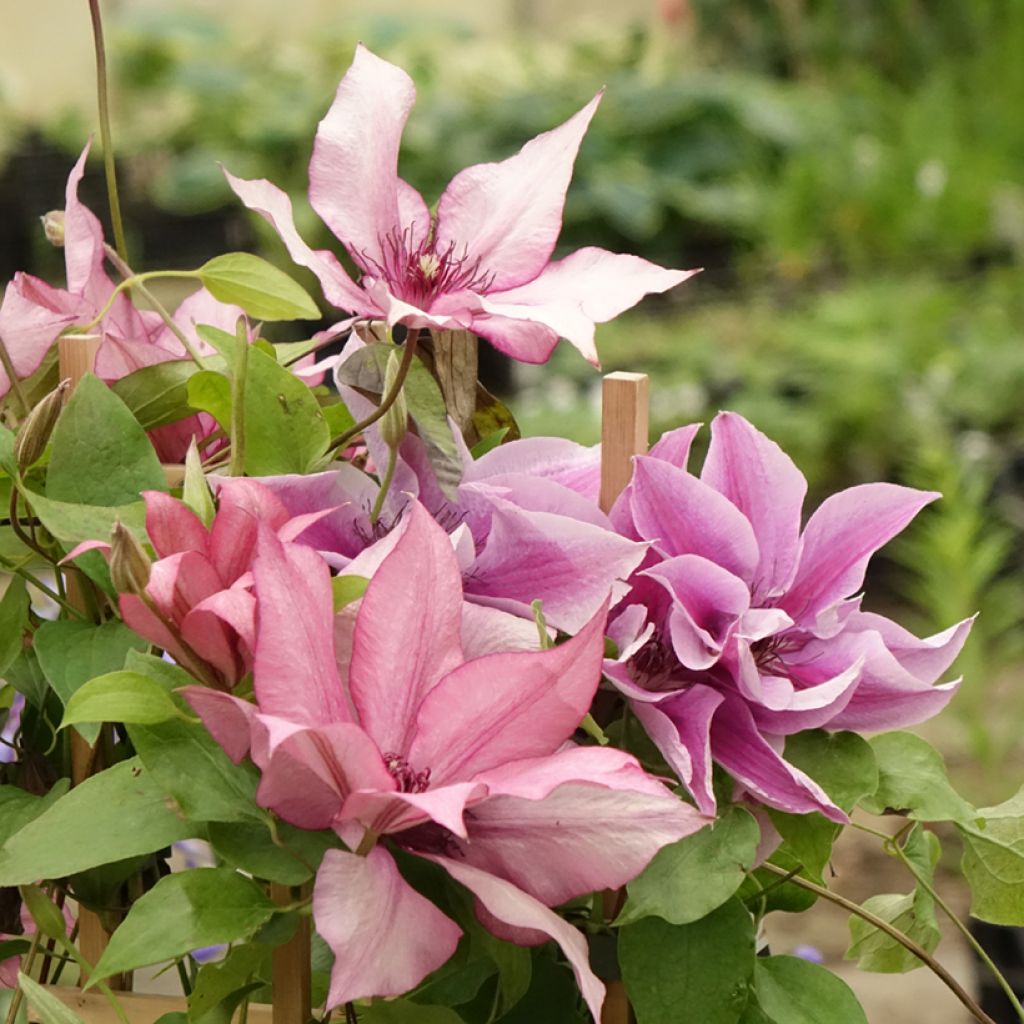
pixel 409 780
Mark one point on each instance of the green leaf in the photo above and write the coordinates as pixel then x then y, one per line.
pixel 285 429
pixel 913 914
pixel 72 653
pixel 18 808
pixel 6 995
pixel 993 862
pixel 120 697
pixel 217 982
pixel 169 677
pixel 209 391
pixel 116 814
pixel 794 991
pixel 347 589
pixel 252 848
pixel 553 997
pixel 402 1011
pixel 338 418
pixel 13 621
pixel 842 763
pixel 182 912
pixel 706 966
pixel 158 395
pixel 263 291
pixel 690 878
pixel 7 463
pixel 364 370
pixel 71 523
pixel 50 1009
pixel 489 443
pixel 190 766
pixel 100 455
pixel 25 675
pixel 47 916
pixel 912 780
pixel 224 342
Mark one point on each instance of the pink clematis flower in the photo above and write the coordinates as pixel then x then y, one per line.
pixel 199 606
pixel 741 629
pixel 483 264
pixel 33 314
pixel 378 726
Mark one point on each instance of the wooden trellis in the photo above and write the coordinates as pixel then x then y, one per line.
pixel 623 435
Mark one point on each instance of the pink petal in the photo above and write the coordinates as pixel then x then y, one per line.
pixel 570 566
pixel 227 719
pixel 172 526
pixel 707 602
pixel 685 516
pixel 353 175
pixel 385 936
pixel 242 506
pixel 745 754
pixel 590 286
pixel 407 631
pixel 83 241
pixel 674 445
pixel 179 582
pixel 490 630
pixel 32 315
pixel 384 813
pixel 508 215
pixel 295 674
pixel 681 729
pixel 554 458
pixel 760 479
pixel 840 538
pixel 309 773
pixel 508 905
pixel 580 838
pixel 222 630
pixel 527 341
pixel 505 707
pixel 140 617
pixel 275 207
pixel 924 658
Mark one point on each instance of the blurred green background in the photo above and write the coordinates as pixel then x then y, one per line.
pixel 850 176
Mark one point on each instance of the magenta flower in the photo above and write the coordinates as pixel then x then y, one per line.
pixel 484 262
pixel 376 725
pixel 741 629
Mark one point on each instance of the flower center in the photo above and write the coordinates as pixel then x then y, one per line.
pixel 409 780
pixel 418 272
pixel 768 655
pixel 654 665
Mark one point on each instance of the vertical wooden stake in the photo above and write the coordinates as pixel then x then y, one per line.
pixel 624 425
pixel 292 981
pixel 624 429
pixel 76 357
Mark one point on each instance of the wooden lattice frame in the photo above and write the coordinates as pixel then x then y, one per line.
pixel 624 433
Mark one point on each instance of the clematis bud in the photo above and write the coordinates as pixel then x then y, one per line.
pixel 53 227
pixel 129 563
pixel 34 434
pixel 395 422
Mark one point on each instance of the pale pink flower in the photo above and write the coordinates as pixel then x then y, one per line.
pixel 483 263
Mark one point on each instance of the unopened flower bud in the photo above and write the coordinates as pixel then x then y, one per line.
pixel 394 423
pixel 53 227
pixel 34 433
pixel 129 563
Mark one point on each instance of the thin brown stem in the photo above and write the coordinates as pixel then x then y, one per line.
pixel 387 400
pixel 103 102
pixel 894 933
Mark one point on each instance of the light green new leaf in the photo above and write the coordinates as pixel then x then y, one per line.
pixel 120 697
pixel 116 814
pixel 191 767
pixel 913 914
pixel 49 1008
pixel 706 967
pixel 209 391
pixel 13 620
pixel 169 677
pixel 794 991
pixel 182 912
pixel 347 589
pixel 72 653
pixel 100 455
pixel 912 779
pixel 196 491
pixel 690 878
pixel 263 291
pixel 993 862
